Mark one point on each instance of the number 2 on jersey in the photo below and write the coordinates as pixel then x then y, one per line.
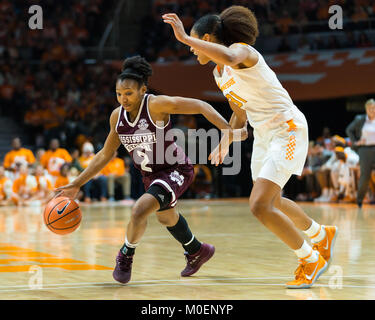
pixel 238 101
pixel 145 161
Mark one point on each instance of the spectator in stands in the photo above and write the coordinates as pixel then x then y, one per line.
pixel 100 181
pixel 117 172
pixel 325 137
pixel 336 167
pixel 323 174
pixel 18 156
pixel 361 132
pixel 24 187
pixel 5 188
pixel 63 178
pixel 38 157
pixel 75 160
pixel 44 187
pixel 315 159
pixel 344 184
pixel 54 158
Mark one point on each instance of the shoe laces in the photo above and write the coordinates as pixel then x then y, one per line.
pixel 316 246
pixel 191 260
pixel 300 271
pixel 124 262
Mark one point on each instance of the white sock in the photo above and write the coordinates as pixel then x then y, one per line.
pixel 130 245
pixel 316 232
pixel 306 253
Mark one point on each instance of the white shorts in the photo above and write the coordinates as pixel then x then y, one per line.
pixel 280 150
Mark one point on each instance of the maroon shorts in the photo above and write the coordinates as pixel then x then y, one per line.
pixel 175 180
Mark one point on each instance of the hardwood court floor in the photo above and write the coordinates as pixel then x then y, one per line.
pixel 249 263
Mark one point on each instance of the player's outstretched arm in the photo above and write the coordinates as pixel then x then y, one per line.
pixel 230 56
pixel 179 105
pixel 111 144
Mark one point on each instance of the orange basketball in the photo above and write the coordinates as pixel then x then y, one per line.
pixel 62 215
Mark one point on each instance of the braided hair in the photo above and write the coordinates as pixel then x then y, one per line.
pixel 136 68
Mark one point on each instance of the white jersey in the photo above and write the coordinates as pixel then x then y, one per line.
pixel 280 129
pixel 256 90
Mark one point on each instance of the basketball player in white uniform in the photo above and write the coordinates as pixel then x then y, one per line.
pixel 280 131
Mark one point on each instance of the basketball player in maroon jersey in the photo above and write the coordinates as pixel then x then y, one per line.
pixel 138 123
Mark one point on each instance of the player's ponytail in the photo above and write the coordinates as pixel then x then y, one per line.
pixel 136 68
pixel 234 24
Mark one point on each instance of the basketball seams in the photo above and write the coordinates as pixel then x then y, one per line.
pixel 63 216
pixel 52 210
pixel 70 227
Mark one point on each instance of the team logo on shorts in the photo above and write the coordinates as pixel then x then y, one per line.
pixel 176 177
pixel 142 124
pixel 291 146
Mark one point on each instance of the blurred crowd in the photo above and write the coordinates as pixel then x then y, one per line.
pixel 44 82
pixel 331 171
pixel 275 18
pixel 332 42
pixel 340 169
pixel 68 26
pixel 28 179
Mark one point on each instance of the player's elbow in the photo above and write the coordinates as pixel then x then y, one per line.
pixel 203 108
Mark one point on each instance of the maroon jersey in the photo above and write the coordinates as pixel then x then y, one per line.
pixel 160 160
pixel 151 150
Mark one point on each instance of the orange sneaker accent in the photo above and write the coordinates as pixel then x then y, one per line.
pixel 325 247
pixel 348 199
pixel 307 273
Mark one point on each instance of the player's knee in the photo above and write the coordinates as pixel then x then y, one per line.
pixel 258 207
pixel 138 215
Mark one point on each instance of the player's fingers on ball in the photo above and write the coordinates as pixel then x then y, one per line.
pixel 58 193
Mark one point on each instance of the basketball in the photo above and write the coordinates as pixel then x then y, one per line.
pixel 62 215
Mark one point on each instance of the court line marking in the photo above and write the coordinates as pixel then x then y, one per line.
pixel 184 284
pixel 179 282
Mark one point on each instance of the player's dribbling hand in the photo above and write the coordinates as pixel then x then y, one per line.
pixel 70 190
pixel 177 25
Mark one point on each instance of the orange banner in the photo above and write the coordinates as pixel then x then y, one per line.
pixel 306 76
